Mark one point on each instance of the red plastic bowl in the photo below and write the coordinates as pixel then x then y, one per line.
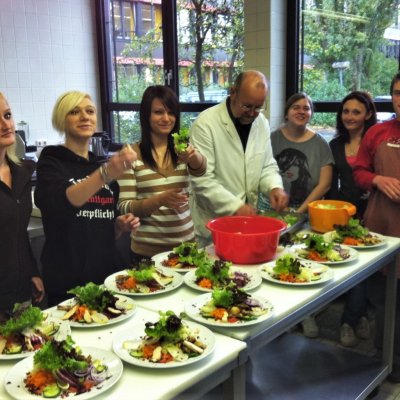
pixel 246 240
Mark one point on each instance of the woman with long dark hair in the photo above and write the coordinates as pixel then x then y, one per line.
pixel 356 114
pixel 156 189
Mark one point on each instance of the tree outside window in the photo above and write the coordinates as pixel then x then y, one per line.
pixel 347 45
pixel 208 38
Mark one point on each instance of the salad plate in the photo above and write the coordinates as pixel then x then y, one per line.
pixel 377 240
pixel 182 258
pixel 301 252
pixel 254 280
pixel 63 331
pixel 177 281
pixel 129 307
pixel 194 306
pixel 162 257
pixel 15 386
pixel 324 272
pixel 134 336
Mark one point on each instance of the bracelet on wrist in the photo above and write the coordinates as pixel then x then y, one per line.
pixel 104 173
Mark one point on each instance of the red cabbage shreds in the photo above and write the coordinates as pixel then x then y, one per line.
pixel 344 253
pixel 252 302
pixel 36 340
pixel 65 376
pixel 82 372
pixel 97 376
pixel 241 279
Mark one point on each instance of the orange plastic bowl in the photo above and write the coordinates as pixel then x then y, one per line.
pixel 323 219
pixel 246 240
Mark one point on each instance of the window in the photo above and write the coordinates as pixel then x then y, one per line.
pixel 148 42
pixel 336 47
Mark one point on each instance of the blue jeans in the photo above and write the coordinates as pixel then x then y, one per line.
pixel 356 305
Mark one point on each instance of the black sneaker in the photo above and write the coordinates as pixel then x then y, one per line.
pixel 374 393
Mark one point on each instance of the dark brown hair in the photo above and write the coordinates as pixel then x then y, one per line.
pixel 296 97
pixel 170 101
pixel 395 79
pixel 364 98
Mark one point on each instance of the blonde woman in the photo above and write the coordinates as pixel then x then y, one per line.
pixel 19 274
pixel 77 196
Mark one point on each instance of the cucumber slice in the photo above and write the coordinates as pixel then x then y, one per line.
pixel 136 353
pixel 50 329
pixel 13 348
pixel 51 391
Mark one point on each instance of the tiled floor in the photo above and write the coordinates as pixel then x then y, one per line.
pixel 329 322
pixel 388 391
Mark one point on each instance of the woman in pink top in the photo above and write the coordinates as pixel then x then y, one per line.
pixel 356 114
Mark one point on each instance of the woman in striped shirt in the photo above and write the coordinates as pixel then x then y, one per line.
pixel 156 188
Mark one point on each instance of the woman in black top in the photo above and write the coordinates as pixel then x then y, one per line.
pixel 19 273
pixel 355 115
pixel 77 198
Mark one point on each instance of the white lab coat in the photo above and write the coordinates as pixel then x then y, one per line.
pixel 233 177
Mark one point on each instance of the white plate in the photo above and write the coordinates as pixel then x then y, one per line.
pixel 159 258
pixel 14 380
pixel 192 309
pixel 75 324
pixel 326 275
pixel 328 237
pixel 177 281
pixel 135 334
pixel 61 334
pixel 255 280
pixel 353 255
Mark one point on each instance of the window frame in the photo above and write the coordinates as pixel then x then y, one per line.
pixel 170 55
pixel 293 53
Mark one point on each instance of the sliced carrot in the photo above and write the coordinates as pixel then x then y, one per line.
pixel 148 350
pixel 79 313
pixel 315 256
pixel 39 379
pixel 88 385
pixel 218 313
pixel 206 283
pixel 171 262
pixel 129 283
pixel 166 358
pixel 351 241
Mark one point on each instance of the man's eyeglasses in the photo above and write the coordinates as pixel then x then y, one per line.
pixel 248 108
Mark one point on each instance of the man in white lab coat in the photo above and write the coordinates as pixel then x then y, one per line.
pixel 235 138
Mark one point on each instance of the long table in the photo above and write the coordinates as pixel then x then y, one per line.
pixel 283 356
pixel 292 305
pixel 190 382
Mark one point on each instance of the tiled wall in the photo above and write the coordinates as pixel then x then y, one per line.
pixel 46 48
pixel 265 49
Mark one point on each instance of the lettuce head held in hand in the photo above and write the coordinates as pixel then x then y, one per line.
pixel 181 140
